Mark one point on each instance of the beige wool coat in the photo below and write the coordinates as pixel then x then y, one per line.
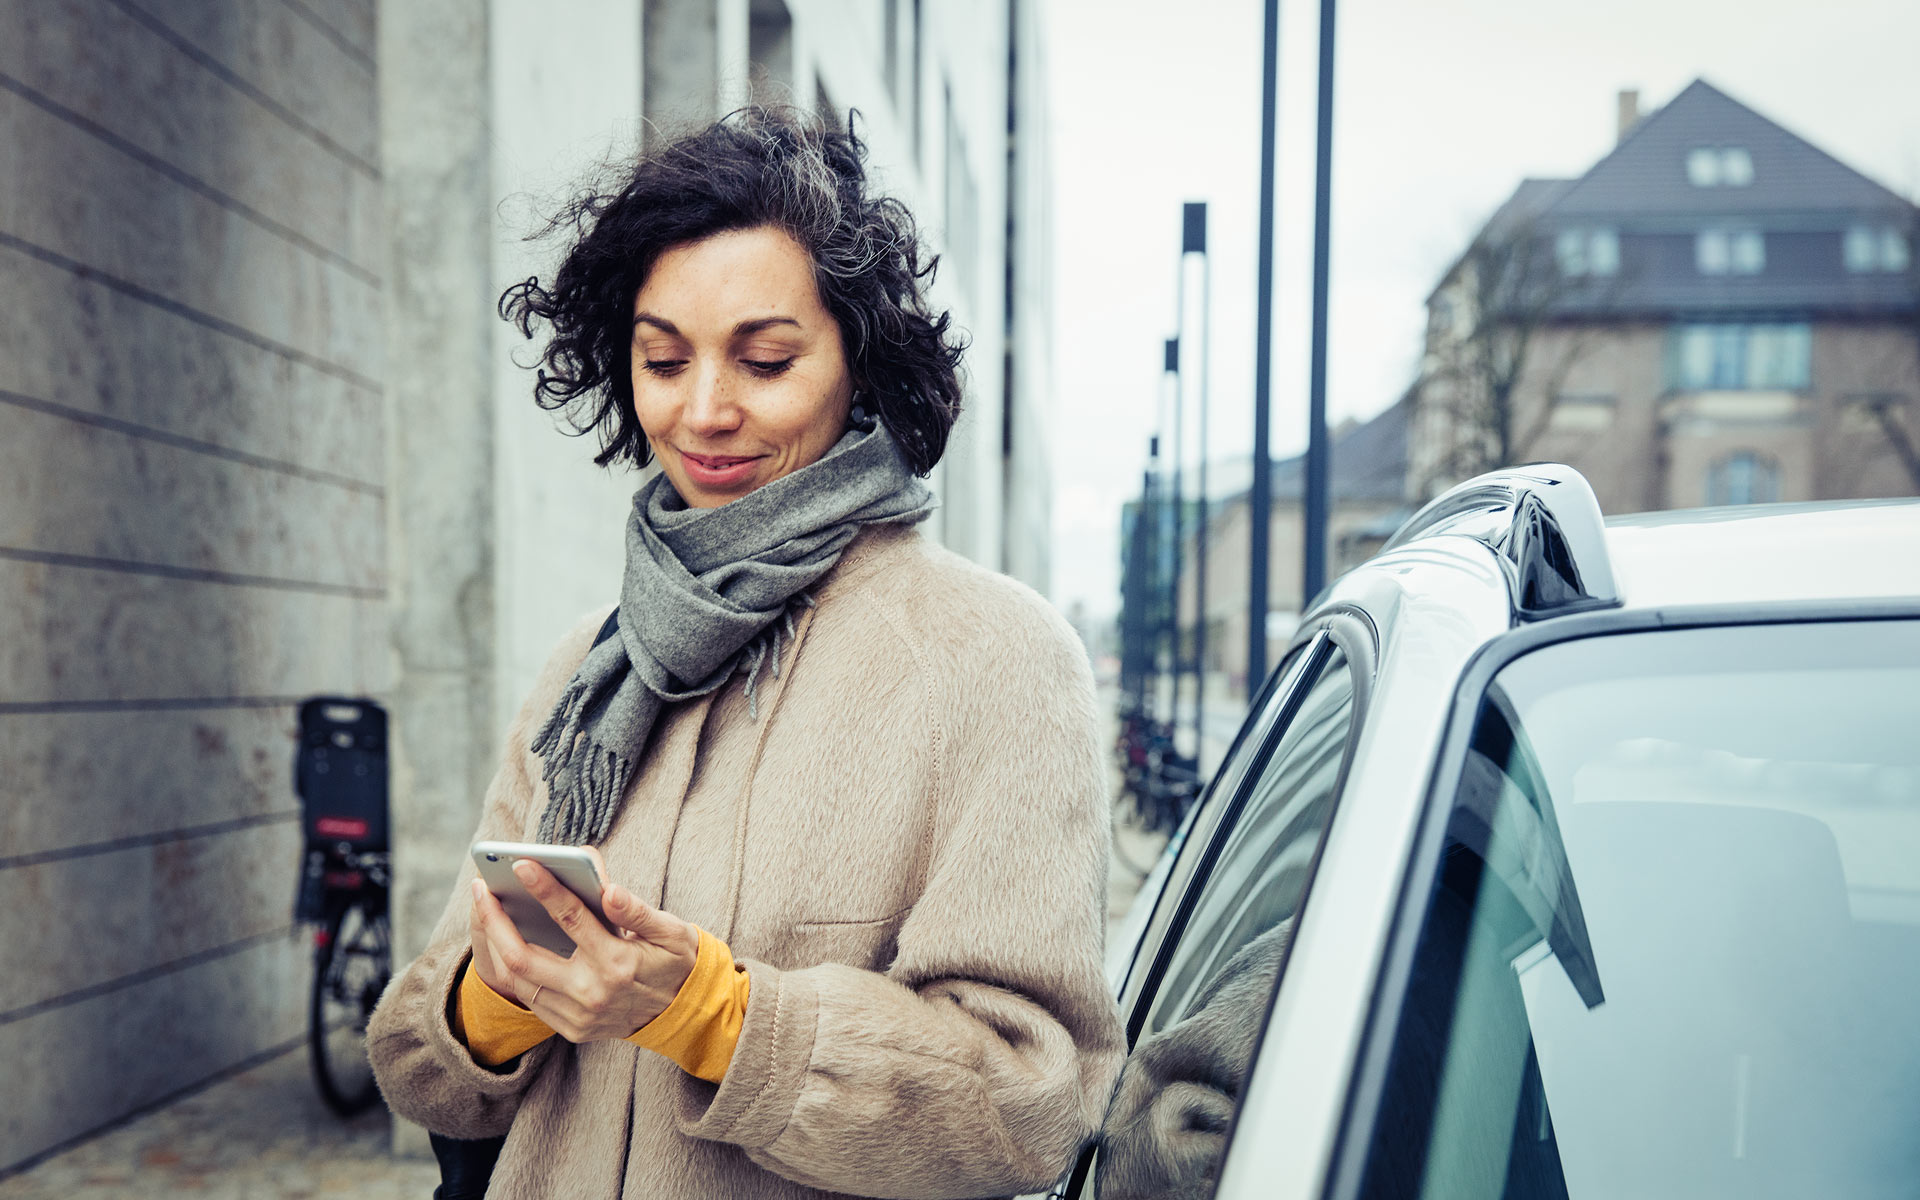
pixel 907 850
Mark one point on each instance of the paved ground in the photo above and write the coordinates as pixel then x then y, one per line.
pixel 262 1133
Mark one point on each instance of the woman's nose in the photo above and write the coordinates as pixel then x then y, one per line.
pixel 712 408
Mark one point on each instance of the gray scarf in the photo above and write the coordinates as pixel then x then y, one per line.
pixel 708 592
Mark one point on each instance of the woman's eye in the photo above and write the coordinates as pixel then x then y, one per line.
pixel 665 366
pixel 768 367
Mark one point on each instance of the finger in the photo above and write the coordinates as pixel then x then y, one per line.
pixel 647 922
pixel 574 917
pixel 485 906
pixel 562 1013
pixel 522 966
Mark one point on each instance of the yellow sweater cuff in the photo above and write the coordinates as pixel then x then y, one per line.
pixel 701 1027
pixel 494 1028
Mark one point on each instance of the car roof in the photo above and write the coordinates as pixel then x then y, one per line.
pixel 1535 536
pixel 1767 553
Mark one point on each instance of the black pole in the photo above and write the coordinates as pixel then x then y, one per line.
pixel 1314 571
pixel 1143 574
pixel 1194 241
pixel 1260 501
pixel 1175 500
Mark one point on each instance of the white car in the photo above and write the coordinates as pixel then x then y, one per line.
pixel 1558 858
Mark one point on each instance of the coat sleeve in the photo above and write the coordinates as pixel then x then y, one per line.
pixel 983 1057
pixel 426 1074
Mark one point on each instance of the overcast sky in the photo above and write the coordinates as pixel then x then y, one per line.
pixel 1441 108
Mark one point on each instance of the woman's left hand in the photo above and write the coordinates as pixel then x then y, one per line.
pixel 615 982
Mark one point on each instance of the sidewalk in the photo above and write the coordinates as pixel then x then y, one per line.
pixel 261 1133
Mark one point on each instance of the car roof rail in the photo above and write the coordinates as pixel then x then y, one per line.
pixel 1543 522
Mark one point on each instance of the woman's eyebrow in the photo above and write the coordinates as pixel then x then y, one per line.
pixel 745 328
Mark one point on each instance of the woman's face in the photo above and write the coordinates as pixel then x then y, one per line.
pixel 739 374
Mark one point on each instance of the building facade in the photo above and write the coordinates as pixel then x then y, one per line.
pixel 262 436
pixel 1718 312
pixel 193 502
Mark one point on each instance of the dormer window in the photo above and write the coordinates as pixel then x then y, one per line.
pixel 1730 252
pixel 1587 252
pixel 1869 248
pixel 1719 166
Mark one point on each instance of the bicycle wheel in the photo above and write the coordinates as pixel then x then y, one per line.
pixel 351 963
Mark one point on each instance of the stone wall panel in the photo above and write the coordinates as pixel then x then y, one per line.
pixel 351 21
pixel 299 68
pixel 68 193
pixel 90 1063
pixel 79 635
pixel 96 61
pixel 166 901
pixel 77 489
pixel 83 346
pixel 86 778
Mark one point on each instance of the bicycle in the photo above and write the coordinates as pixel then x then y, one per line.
pixel 352 961
pixel 340 772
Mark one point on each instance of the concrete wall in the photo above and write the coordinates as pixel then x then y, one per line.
pixel 435 147
pixel 564 96
pixel 192 508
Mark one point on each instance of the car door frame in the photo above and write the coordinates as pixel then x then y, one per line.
pixel 1343 629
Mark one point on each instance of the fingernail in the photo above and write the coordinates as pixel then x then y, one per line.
pixel 479 889
pixel 524 870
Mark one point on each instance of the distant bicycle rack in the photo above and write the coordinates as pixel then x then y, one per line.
pixel 1161 782
pixel 340 773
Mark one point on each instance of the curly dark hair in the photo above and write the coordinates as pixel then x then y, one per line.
pixel 759 166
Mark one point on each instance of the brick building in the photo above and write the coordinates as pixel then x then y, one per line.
pixel 1717 312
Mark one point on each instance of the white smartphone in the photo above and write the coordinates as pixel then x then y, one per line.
pixel 580 870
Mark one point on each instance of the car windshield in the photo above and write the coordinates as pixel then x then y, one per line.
pixel 1673 944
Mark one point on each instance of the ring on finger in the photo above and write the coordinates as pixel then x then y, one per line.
pixel 537 989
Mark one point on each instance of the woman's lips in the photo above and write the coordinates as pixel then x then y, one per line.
pixel 718 470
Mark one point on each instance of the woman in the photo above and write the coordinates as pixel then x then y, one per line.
pixel 847 785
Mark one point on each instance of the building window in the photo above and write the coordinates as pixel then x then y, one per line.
pixel 890 49
pixel 916 60
pixel 963 203
pixel 1868 248
pixel 770 52
pixel 1730 252
pixel 1719 166
pixel 1587 252
pixel 1743 478
pixel 1730 357
pixel 1576 413
pixel 1603 252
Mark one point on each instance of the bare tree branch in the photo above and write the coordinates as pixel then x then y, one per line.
pixel 1493 306
pixel 1885 410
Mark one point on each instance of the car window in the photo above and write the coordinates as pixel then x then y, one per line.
pixel 1674 933
pixel 1147 924
pixel 1167 1127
